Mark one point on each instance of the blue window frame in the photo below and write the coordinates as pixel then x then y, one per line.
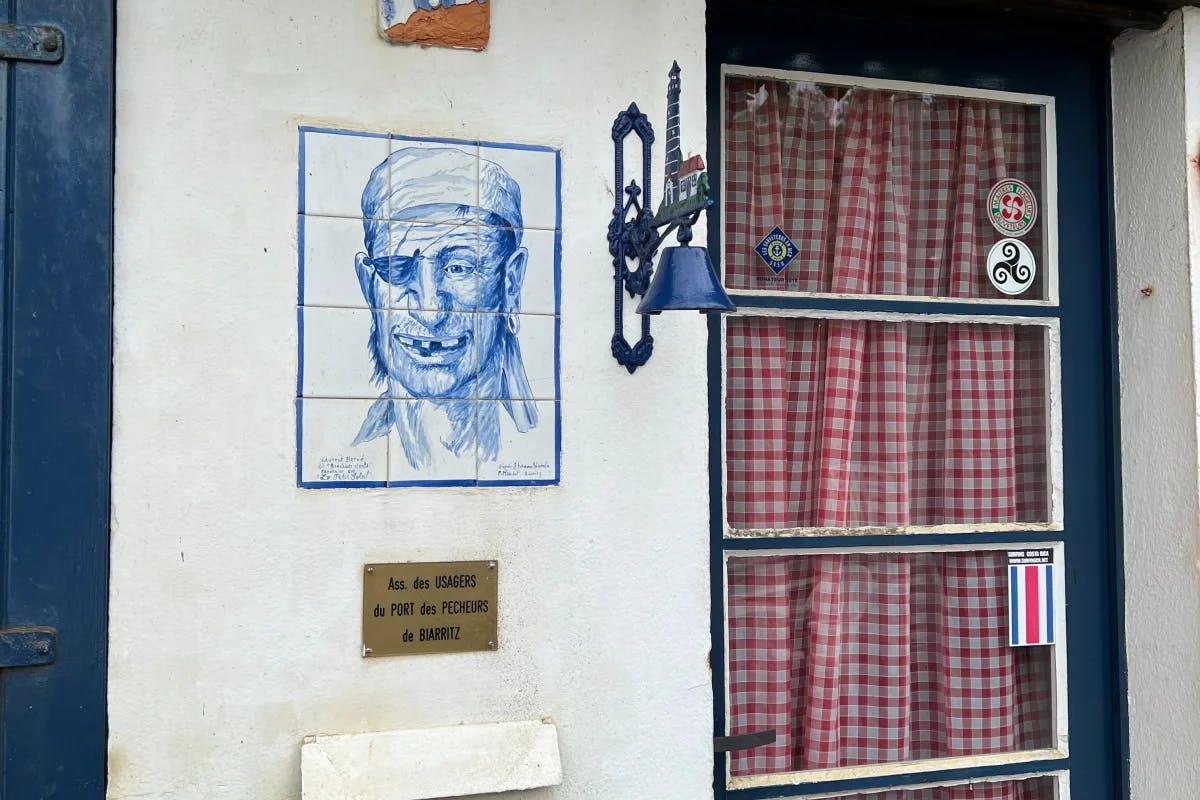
pixel 1073 71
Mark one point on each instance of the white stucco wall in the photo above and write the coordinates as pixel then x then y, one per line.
pixel 1156 103
pixel 235 597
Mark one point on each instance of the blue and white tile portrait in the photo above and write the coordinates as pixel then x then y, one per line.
pixel 428 312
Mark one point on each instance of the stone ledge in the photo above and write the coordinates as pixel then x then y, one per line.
pixel 429 763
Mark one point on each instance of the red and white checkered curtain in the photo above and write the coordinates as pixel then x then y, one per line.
pixel 872 658
pixel 855 423
pixel 881 192
pixel 850 423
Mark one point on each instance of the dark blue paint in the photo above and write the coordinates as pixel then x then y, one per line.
pixel 1112 424
pixel 300 244
pixel 625 233
pixel 858 785
pixel 367 135
pixel 27 647
pixel 300 335
pixel 685 281
pixel 56 405
pixel 532 148
pixel 716 512
pixel 558 205
pixel 1012 606
pixel 1050 605
pixel 1039 60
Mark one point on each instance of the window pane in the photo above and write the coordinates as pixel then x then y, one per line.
pixel 880 192
pixel 875 658
pixel 1030 789
pixel 856 423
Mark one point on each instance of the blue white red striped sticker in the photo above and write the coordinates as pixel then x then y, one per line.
pixel 1030 597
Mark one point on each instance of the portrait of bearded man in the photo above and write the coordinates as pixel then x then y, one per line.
pixel 442 270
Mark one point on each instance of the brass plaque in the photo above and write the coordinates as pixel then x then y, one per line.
pixel 431 607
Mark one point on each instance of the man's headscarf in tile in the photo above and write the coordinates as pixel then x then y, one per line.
pixel 437 185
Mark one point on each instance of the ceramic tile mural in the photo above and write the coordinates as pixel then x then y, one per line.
pixel 443 23
pixel 428 312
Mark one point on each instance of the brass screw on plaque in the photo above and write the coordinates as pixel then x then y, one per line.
pixel 370 570
pixel 367 651
pixel 491 565
pixel 492 645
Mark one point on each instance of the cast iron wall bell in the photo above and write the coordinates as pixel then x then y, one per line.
pixel 685 279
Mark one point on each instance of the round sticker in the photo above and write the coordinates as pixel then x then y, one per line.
pixel 1012 207
pixel 1010 266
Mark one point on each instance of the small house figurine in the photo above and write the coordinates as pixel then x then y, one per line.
pixel 687 183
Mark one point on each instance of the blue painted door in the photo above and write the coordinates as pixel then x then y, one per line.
pixel 1073 69
pixel 56 313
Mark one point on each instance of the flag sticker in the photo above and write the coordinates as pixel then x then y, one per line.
pixel 1030 597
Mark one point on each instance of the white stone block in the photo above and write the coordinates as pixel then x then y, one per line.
pixel 453 761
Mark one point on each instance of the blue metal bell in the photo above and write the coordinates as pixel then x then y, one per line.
pixel 685 280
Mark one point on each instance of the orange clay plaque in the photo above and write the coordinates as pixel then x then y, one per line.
pixel 464 24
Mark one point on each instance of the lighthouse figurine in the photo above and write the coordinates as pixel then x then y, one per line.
pixel 685 279
pixel 685 185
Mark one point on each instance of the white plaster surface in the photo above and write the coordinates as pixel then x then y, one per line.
pixel 451 761
pixel 236 597
pixel 1156 105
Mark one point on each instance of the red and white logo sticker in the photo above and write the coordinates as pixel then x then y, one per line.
pixel 1012 207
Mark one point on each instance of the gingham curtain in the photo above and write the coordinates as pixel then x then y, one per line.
pixel 851 423
pixel 881 192
pixel 831 423
pixel 871 658
pixel 854 423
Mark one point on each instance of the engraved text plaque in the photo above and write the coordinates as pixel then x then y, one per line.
pixel 431 607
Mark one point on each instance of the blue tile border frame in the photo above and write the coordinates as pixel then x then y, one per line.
pixel 304 131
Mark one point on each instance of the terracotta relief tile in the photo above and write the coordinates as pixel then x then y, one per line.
pixel 464 24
